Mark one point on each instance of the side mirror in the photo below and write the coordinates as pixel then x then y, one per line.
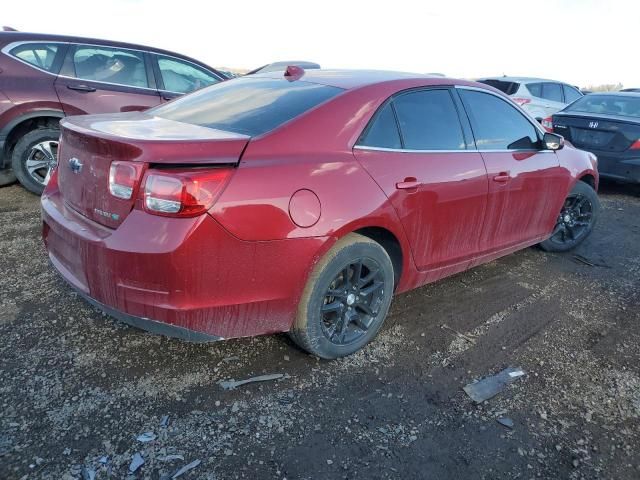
pixel 553 141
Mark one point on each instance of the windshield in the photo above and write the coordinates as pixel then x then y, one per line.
pixel 627 106
pixel 250 106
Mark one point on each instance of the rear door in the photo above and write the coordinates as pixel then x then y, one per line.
pixel 416 149
pixel 176 76
pixel 526 183
pixel 102 79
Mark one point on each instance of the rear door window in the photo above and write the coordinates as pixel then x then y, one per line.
pixel 109 65
pixel 429 120
pixel 383 130
pixel 183 77
pixel 496 124
pixel 571 94
pixel 552 91
pixel 40 55
pixel 535 89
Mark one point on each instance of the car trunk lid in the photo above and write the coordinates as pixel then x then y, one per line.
pixel 89 145
pixel 597 132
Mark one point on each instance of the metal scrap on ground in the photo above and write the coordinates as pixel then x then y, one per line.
pixel 136 462
pixel 490 386
pixel 146 437
pixel 186 468
pixel 231 384
pixel 461 335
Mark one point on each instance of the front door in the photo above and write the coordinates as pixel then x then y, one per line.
pixel 527 186
pixel 416 151
pixel 99 79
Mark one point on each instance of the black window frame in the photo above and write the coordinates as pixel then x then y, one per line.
pixel 465 127
pixel 535 125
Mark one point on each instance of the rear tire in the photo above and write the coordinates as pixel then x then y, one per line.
pixel 576 220
pixel 7 177
pixel 34 156
pixel 346 298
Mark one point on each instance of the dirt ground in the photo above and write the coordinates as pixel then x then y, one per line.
pixel 78 388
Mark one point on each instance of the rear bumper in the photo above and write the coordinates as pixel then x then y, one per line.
pixel 619 167
pixel 186 278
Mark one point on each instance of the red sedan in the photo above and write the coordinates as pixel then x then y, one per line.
pixel 301 202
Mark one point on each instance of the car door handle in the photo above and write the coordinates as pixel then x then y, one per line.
pixel 409 183
pixel 502 177
pixel 81 88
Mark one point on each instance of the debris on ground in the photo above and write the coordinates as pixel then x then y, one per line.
pixel 461 335
pixel 136 462
pixel 88 473
pixel 186 468
pixel 506 421
pixel 231 384
pixel 146 437
pixel 164 421
pixel 489 387
pixel 170 458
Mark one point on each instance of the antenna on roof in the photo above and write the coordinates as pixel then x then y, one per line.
pixel 8 29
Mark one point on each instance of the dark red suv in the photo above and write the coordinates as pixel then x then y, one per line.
pixel 44 78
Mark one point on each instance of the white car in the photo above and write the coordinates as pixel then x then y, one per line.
pixel 539 97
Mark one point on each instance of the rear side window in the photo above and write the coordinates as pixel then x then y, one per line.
pixel 247 105
pixel 109 65
pixel 383 131
pixel 535 89
pixel 183 77
pixel 429 120
pixel 40 55
pixel 504 86
pixel 496 124
pixel 552 91
pixel 571 94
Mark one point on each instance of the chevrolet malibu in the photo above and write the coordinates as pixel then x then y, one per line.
pixel 301 201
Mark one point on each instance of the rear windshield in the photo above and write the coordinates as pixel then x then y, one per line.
pixel 627 106
pixel 506 87
pixel 250 106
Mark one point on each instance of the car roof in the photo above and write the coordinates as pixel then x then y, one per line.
pixel 349 79
pixel 520 79
pixel 10 37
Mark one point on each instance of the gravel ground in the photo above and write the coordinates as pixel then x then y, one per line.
pixel 78 388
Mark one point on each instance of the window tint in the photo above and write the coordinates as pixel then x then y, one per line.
pixel 496 124
pixel 552 91
pixel 112 65
pixel 183 77
pixel 504 86
pixel 535 89
pixel 39 54
pixel 429 121
pixel 383 131
pixel 571 94
pixel 247 105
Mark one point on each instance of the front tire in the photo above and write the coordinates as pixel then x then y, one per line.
pixel 34 157
pixel 346 299
pixel 576 220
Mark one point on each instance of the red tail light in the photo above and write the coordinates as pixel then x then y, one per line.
pixel 635 145
pixel 183 193
pixel 547 124
pixel 123 178
pixel 521 101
